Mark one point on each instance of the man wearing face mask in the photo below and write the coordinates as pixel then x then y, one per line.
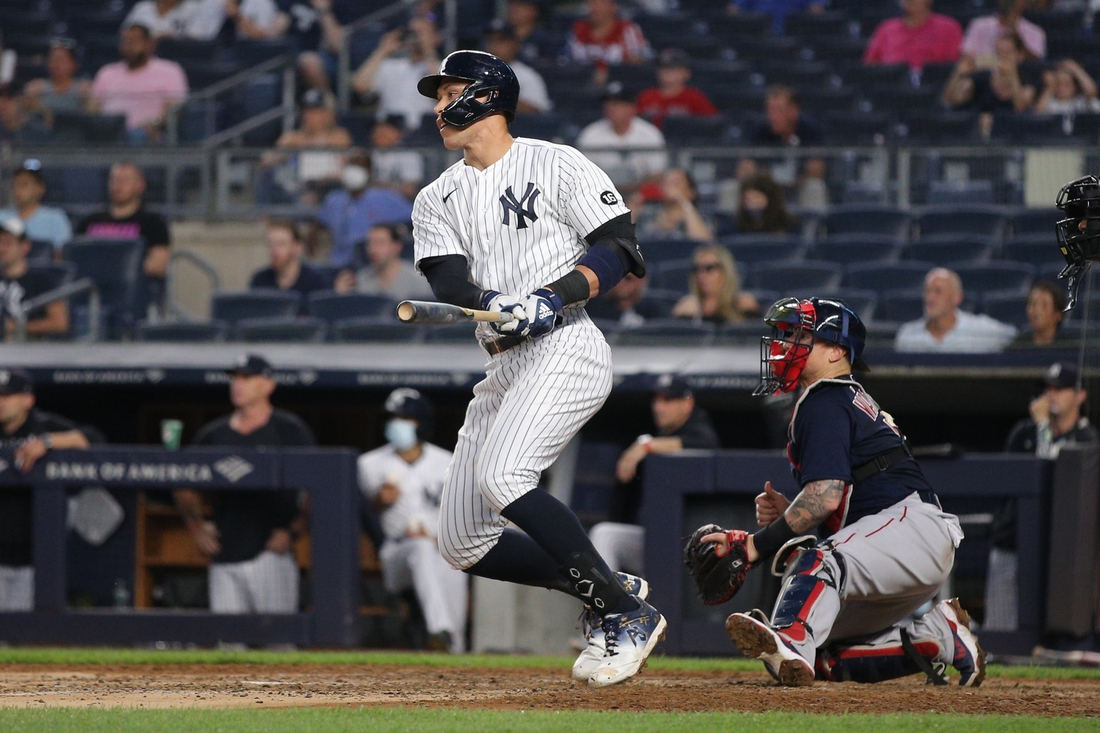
pixel 404 480
pixel 349 212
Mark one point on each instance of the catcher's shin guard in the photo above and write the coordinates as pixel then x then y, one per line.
pixel 808 578
pixel 866 663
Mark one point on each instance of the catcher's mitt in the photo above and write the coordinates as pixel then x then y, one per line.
pixel 717 578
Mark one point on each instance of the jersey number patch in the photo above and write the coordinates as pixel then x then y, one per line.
pixel 524 208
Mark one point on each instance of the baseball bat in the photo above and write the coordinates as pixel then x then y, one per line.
pixel 420 311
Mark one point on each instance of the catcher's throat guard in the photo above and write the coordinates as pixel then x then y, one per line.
pixel 1079 233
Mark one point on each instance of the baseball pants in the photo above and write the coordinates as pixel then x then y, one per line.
pixel 535 397
pixel 443 593
pixel 621 545
pixel 16 588
pixel 268 583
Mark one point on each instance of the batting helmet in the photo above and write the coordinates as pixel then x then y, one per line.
pixel 409 403
pixel 1079 233
pixel 489 77
pixel 783 354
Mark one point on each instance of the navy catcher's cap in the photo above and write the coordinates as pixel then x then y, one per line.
pixel 251 365
pixel 1062 375
pixel 15 381
pixel 672 385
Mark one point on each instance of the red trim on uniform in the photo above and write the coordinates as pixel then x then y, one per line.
pixel 838 544
pixel 928 649
pixel 804 613
pixel 904 512
pixel 882 527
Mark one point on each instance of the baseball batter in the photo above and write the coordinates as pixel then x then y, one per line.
pixel 533 229
pixel 844 607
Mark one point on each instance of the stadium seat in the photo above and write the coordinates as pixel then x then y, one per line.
pixel 880 75
pixel 55 274
pixel 935 76
pixel 254 97
pixel 252 52
pixel 749 249
pixel 41 251
pixel 1033 249
pixel 736 27
pixel 961 220
pixel 260 303
pixel 1027 129
pixel 1006 307
pixel 937 127
pixel 292 329
pixel 767 48
pixel 695 131
pixel 331 307
pixel 657 251
pixel 859 128
pixel 817 25
pixel 450 333
pixel 819 277
pixel 886 221
pixel 950 248
pixel 850 249
pixel 747 332
pixel 84 185
pixel 943 193
pixel 1035 221
pixel 1003 276
pixel 804 75
pixel 861 301
pixel 114 266
pixel 821 101
pixel 672 275
pixel 1059 23
pixel 211 331
pixel 373 328
pixel 670 331
pixel 837 49
pixel 1085 126
pixel 882 277
pixel 544 126
pixel 185 49
pixel 893 100
pixel 900 306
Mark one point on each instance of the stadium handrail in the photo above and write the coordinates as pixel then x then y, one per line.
pixel 63 292
pixel 211 273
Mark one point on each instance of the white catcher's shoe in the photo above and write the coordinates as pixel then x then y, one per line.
pixel 593 654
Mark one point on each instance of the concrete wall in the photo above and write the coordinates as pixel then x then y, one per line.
pixel 234 249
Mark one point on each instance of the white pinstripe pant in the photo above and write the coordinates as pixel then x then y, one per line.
pixel 534 399
pixel 268 583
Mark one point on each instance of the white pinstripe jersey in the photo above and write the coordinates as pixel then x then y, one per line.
pixel 521 222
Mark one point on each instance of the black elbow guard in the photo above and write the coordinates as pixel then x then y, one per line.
pixel 618 235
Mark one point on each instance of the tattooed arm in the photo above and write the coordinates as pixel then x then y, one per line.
pixel 817 500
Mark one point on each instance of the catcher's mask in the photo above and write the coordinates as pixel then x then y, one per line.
pixel 1080 200
pixel 795 325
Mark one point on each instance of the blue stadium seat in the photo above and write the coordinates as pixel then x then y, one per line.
pixel 185 49
pixel 850 249
pixel 837 50
pixel 543 126
pixel 800 75
pixel 252 52
pixel 292 329
pixel 688 131
pixel 894 100
pixel 882 277
pixel 749 249
pixel 977 192
pixel 961 220
pixel 373 328
pixel 331 307
pixel 859 128
pixel 1006 307
pixel 1035 221
pixel 747 332
pixel 254 97
pixel 672 275
pixel 863 302
pixel 739 26
pixel 819 277
pixel 212 331
pixel 1000 275
pixel 259 303
pixel 1085 126
pixel 937 127
pixel 935 76
pixel 55 274
pixel 1058 22
pixel 661 301
pixel 1051 272
pixel 886 221
pixel 83 185
pixel 656 250
pixel 41 251
pixel 950 248
pixel 670 331
pixel 880 75
pixel 900 306
pixel 767 48
pixel 1033 249
pixel 818 102
pixel 816 25
pixel 115 266
pixel 1027 128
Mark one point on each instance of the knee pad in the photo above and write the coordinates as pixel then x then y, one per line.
pixel 808 577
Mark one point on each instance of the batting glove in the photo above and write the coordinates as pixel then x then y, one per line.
pixel 498 303
pixel 543 308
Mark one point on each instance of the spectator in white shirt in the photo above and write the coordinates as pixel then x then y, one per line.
pixel 501 41
pixel 947 329
pixel 627 147
pixel 391 73
pixel 199 20
pixel 1067 89
pixel 391 165
pixel 257 20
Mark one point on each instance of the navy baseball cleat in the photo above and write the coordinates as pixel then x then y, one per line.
pixel 969 659
pixel 628 639
pixel 758 640
pixel 593 654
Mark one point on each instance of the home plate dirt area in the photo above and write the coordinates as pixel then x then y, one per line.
pixel 282 686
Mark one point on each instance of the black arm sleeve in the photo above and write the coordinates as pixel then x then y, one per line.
pixel 447 276
pixel 618 235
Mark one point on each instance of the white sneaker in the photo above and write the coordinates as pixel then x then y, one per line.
pixel 628 638
pixel 968 657
pixel 593 654
pixel 758 640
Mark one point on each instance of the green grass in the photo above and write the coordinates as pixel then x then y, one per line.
pixel 393 720
pixel 113 656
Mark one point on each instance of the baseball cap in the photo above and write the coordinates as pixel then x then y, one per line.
pixel 33 167
pixel 408 402
pixel 315 98
pixel 13 225
pixel 397 121
pixel 672 385
pixel 502 28
pixel 617 91
pixel 673 58
pixel 15 381
pixel 1062 375
pixel 251 365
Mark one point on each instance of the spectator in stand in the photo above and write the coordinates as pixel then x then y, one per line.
pixel 535 42
pixel 287 271
pixel 318 36
pixel 787 126
pixel 199 20
pixel 316 171
pixel 627 147
pixel 681 425
pixel 672 96
pixel 33 433
pixel 981 37
pixel 386 273
pixel 42 223
pixel 715 286
pixel 502 42
pixel 249 536
pixel 761 209
pixel 19 283
pixel 667 209
pixel 257 20
pixel 947 329
pixel 63 91
pixel 1067 89
pixel 127 218
pixel 998 90
pixel 917 38
pixel 16 126
pixel 777 9
pixel 1045 305
pixel 626 304
pixel 349 212
pixel 391 73
pixel 140 86
pixel 605 39
pixel 8 60
pixel 392 166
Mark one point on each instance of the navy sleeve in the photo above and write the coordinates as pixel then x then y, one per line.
pixel 823 430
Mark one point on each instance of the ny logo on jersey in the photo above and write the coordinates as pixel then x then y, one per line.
pixel 524 208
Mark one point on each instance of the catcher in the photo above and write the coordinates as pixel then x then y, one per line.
pixel 1079 233
pixel 843 612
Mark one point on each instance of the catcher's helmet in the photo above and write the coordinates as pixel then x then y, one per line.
pixel 488 76
pixel 783 354
pixel 409 403
pixel 1080 200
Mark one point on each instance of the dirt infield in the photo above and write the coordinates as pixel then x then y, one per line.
pixel 225 686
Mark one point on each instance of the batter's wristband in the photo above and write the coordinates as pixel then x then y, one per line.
pixel 572 288
pixel 486 296
pixel 768 540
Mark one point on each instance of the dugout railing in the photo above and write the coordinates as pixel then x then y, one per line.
pixel 328 475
